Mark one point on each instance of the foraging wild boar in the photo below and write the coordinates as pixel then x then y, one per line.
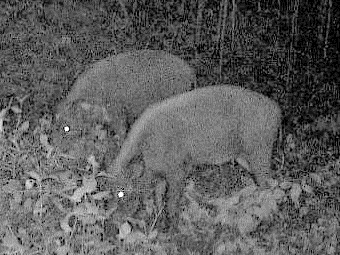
pixel 211 125
pixel 113 93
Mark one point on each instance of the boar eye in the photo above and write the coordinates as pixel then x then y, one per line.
pixel 121 194
pixel 66 129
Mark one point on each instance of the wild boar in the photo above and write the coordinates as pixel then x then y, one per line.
pixel 210 125
pixel 112 94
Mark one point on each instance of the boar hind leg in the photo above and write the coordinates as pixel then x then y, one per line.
pixel 260 164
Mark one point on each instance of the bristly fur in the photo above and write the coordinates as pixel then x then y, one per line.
pixel 211 125
pixel 116 90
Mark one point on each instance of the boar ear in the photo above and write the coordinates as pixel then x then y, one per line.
pixel 81 109
pixel 95 110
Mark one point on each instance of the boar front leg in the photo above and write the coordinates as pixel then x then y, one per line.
pixel 175 181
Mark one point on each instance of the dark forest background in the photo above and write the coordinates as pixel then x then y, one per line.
pixel 288 50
